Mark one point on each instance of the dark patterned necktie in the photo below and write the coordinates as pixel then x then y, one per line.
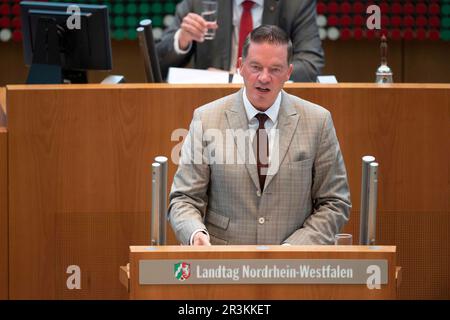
pixel 262 149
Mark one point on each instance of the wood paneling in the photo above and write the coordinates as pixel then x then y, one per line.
pixel 259 291
pixel 80 179
pixel 349 61
pixel 404 129
pixel 423 251
pixel 84 155
pixel 410 61
pixel 98 243
pixel 4 275
pixel 12 65
pixel 357 61
pixel 126 61
pixel 2 107
pixel 426 61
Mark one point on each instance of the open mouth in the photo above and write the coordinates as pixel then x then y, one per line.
pixel 262 90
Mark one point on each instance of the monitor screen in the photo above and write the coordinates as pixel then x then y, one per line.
pixel 50 37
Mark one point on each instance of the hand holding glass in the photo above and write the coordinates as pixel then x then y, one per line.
pixel 209 13
pixel 343 239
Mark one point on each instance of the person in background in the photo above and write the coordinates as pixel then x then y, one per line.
pixel 183 42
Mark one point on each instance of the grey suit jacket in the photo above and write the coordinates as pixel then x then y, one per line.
pixel 305 201
pixel 297 18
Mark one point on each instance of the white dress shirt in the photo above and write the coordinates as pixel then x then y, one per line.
pixel 270 125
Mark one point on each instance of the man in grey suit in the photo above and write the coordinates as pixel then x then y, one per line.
pixel 183 40
pixel 221 195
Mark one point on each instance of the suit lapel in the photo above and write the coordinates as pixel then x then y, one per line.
pixel 224 33
pixel 237 120
pixel 270 13
pixel 287 123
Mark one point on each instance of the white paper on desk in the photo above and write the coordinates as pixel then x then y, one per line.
pixel 186 75
pixel 237 78
pixel 327 79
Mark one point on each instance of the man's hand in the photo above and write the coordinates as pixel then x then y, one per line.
pixel 200 239
pixel 193 28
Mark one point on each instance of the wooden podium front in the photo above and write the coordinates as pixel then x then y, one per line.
pixel 130 275
pixel 75 176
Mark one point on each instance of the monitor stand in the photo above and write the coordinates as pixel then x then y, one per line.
pixel 74 76
pixel 44 74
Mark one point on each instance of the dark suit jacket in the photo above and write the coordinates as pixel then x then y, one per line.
pixel 297 18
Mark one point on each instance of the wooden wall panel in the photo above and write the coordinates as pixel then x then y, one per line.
pixel 422 241
pixel 98 243
pixel 426 61
pixel 81 157
pixel 12 65
pixel 126 56
pixel 4 274
pixel 404 129
pixel 410 61
pixel 85 153
pixel 349 61
pixel 424 246
pixel 3 107
pixel 357 61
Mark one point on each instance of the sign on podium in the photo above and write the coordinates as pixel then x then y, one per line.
pixel 261 272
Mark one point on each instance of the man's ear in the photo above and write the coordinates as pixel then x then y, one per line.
pixel 291 68
pixel 240 65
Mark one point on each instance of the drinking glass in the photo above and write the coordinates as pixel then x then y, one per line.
pixel 209 13
pixel 343 239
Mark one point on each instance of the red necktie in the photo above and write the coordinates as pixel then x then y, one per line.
pixel 246 25
pixel 262 149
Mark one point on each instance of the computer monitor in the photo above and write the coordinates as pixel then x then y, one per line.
pixel 59 50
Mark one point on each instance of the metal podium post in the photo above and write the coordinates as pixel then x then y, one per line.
pixel 156 182
pixel 162 200
pixel 364 212
pixel 372 207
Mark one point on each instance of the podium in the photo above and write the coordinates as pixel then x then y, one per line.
pixel 75 163
pixel 261 272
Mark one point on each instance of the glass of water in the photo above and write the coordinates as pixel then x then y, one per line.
pixel 209 13
pixel 343 239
